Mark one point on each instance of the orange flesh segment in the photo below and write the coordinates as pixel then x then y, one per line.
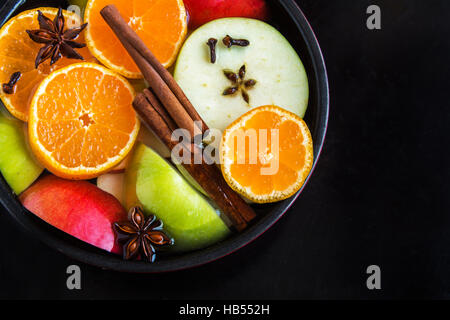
pixel 69 153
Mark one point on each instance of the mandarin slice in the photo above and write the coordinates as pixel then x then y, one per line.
pixel 267 154
pixel 161 24
pixel 18 53
pixel 82 122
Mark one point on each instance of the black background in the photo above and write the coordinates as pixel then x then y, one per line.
pixel 378 196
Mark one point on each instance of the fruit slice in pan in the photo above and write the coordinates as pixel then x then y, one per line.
pixel 203 11
pixel 269 59
pixel 18 53
pixel 76 207
pixel 161 24
pixel 17 165
pixel 278 163
pixel 188 217
pixel 82 122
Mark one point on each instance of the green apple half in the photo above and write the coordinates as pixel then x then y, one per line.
pixel 269 59
pixel 17 165
pixel 187 216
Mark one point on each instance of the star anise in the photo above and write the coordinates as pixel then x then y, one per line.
pixel 140 236
pixel 239 83
pixel 57 42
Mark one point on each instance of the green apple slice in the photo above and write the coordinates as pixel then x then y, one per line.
pixel 188 217
pixel 269 59
pixel 17 165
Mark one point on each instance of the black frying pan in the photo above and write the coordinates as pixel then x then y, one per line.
pixel 289 19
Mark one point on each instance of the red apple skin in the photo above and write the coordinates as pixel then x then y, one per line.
pixel 203 11
pixel 76 207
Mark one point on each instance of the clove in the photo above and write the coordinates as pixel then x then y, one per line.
pixel 228 41
pixel 212 49
pixel 10 87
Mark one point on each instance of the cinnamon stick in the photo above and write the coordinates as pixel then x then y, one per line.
pixel 208 176
pixel 157 105
pixel 163 110
pixel 130 39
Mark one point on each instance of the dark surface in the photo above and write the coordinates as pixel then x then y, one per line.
pixel 377 196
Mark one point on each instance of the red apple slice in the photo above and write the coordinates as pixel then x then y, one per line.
pixel 76 207
pixel 203 11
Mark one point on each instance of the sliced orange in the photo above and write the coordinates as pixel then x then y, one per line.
pixel 161 24
pixel 82 122
pixel 267 154
pixel 18 53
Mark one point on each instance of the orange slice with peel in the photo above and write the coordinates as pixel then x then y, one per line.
pixel 82 122
pixel 267 154
pixel 18 53
pixel 161 24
